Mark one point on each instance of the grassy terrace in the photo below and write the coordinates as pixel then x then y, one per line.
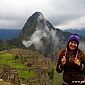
pixel 25 74
pixel 9 59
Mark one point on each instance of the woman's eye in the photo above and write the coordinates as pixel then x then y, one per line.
pixel 73 42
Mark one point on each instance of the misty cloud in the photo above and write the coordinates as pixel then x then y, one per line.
pixel 35 39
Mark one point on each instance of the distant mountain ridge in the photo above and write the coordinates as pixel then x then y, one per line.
pixel 78 31
pixel 8 34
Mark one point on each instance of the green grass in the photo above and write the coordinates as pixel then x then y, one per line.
pixel 57 76
pixel 27 73
pixel 17 65
pixel 9 59
pixel 6 59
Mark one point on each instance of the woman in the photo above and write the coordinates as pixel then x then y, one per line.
pixel 72 62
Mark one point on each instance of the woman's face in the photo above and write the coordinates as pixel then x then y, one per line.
pixel 72 45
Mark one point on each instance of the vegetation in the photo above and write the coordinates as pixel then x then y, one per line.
pixel 27 73
pixel 56 77
pixel 15 58
pixel 9 59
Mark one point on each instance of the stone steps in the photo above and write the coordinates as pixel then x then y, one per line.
pixel 4 83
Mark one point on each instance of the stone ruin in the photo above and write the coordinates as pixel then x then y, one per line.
pixel 10 75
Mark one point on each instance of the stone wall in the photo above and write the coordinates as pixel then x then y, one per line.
pixel 10 75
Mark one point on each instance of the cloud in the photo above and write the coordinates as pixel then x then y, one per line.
pixel 75 23
pixel 16 12
pixel 36 39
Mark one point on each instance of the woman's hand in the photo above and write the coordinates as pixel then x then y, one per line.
pixel 76 61
pixel 63 60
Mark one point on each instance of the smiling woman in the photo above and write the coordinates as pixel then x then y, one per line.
pixel 72 62
pixel 72 45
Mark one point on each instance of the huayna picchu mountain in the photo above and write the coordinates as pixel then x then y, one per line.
pixel 39 34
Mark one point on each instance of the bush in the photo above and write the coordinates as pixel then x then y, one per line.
pixel 51 74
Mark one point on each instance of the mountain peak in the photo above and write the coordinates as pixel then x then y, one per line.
pixel 36 21
pixel 38 15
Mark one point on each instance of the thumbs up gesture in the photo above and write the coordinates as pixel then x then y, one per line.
pixel 76 61
pixel 63 60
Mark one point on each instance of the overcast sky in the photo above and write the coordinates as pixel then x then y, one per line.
pixel 61 13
